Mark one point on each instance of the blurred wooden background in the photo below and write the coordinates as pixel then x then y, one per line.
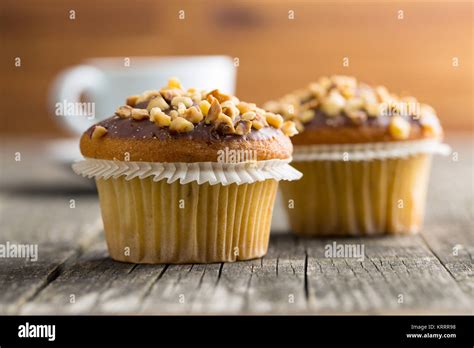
pixel 414 54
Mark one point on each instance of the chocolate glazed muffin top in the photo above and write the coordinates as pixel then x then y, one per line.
pixel 341 110
pixel 177 125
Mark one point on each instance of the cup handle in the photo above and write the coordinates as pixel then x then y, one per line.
pixel 67 88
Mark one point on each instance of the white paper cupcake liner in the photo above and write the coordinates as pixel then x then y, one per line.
pixel 357 198
pixel 368 151
pixel 200 172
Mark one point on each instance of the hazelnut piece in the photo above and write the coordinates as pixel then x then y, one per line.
pixel 245 107
pixel 214 111
pixel 188 102
pixel 274 120
pixel 132 100
pixel 193 114
pixel 257 124
pixel 333 104
pixel 221 97
pixel 249 115
pixel 181 125
pixel 159 102
pixel 98 132
pixel 243 127
pixel 307 115
pixel 174 83
pixel 399 128
pixel 204 105
pixel 124 111
pixel 224 124
pixel 159 117
pixel 139 114
pixel 289 128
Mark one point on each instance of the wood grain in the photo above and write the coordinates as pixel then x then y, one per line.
pixel 427 273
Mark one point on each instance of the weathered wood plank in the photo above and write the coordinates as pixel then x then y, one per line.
pixel 95 284
pixel 398 274
pixel 41 219
pixel 59 241
pixel 179 287
pixel 449 230
pixel 22 279
pixel 277 285
pixel 455 250
pixel 413 274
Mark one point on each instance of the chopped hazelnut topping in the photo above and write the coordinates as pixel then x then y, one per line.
pixel 124 111
pixel 249 115
pixel 333 103
pixel 132 100
pixel 257 124
pixel 98 132
pixel 196 97
pixel 188 102
pixel 204 105
pixel 307 115
pixel 174 114
pixel 181 110
pixel 399 128
pixel 289 128
pixel 174 83
pixel 245 107
pixel 214 111
pixel 373 109
pixel 139 114
pixel 193 114
pixel 354 105
pixel 230 109
pixel 344 96
pixel 274 120
pixel 147 95
pixel 318 90
pixel 225 124
pixel 347 92
pixel 159 117
pixel 342 81
pixel 382 94
pixel 157 101
pixel 429 122
pixel 243 127
pixel 169 94
pixel 181 125
pixel 219 96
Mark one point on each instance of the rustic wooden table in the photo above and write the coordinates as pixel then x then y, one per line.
pixel 427 273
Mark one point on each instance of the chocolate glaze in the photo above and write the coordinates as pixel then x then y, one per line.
pixel 127 128
pixel 145 129
pixel 321 120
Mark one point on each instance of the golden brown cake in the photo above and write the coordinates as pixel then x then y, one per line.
pixel 365 154
pixel 187 176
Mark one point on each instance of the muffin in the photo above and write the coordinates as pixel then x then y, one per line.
pixel 187 176
pixel 365 154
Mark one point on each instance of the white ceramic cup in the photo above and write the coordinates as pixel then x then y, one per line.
pixel 108 81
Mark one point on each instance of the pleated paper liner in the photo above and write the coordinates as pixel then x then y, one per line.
pixel 360 190
pixel 157 222
pixel 174 213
